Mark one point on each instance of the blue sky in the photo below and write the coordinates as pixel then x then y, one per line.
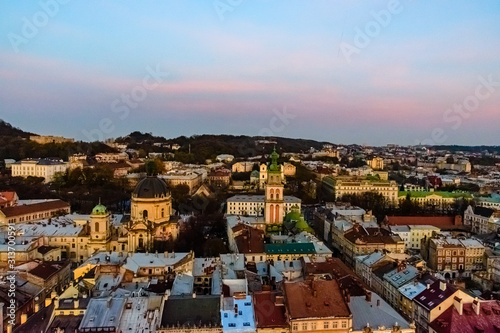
pixel 346 71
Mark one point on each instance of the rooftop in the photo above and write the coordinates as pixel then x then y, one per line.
pixel 103 313
pixel 269 310
pixel 35 207
pixel 260 198
pixel 189 312
pixel 315 299
pixel 437 293
pixel 487 320
pixel 375 312
pixel 412 289
pixel 290 248
pixel 436 221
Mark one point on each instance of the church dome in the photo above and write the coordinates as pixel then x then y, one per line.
pixel 99 210
pixel 151 187
pixel 294 214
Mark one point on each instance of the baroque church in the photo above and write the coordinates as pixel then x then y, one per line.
pixel 150 222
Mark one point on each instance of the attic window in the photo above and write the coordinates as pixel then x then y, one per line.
pixel 422 298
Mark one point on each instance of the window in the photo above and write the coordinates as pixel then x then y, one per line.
pixel 295 327
pixel 335 324
pixel 344 324
pixel 326 325
pixel 304 326
pixel 313 326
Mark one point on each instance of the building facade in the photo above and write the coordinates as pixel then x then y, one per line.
pixel 38 167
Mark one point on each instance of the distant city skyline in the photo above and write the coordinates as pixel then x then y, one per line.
pixel 402 72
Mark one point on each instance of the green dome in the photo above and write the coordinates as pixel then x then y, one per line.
pixel 302 225
pixel 294 215
pixel 99 210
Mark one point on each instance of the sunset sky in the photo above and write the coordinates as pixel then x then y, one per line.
pixel 72 68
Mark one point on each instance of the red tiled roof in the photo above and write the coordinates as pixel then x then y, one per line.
pixel 421 220
pixel 268 314
pixel 326 301
pixel 46 270
pixel 34 208
pixel 369 235
pixel 488 320
pixel 7 196
pixel 248 239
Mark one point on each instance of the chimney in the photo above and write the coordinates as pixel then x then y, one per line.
pixel 476 306
pixel 368 296
pixel 48 301
pixel 459 305
pixel 108 302
pixel 194 295
pixel 442 285
pixel 37 307
pixel 24 318
pixel 76 303
pixel 428 286
pixel 56 303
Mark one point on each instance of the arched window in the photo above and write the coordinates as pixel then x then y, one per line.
pixel 271 213
pixel 145 214
pixel 276 213
pixel 277 194
pixel 271 193
pixel 96 227
pixel 163 212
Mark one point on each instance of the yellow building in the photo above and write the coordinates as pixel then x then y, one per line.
pixel 436 199
pixel 100 229
pixel 192 179
pixel 317 306
pixel 245 166
pixel 376 163
pixel 151 209
pixel 388 189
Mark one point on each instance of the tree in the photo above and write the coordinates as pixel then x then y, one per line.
pixel 155 167
pixel 180 194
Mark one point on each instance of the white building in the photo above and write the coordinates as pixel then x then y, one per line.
pixel 38 167
pixel 481 219
pixel 253 205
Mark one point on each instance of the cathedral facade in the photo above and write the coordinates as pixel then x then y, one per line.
pixel 150 215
